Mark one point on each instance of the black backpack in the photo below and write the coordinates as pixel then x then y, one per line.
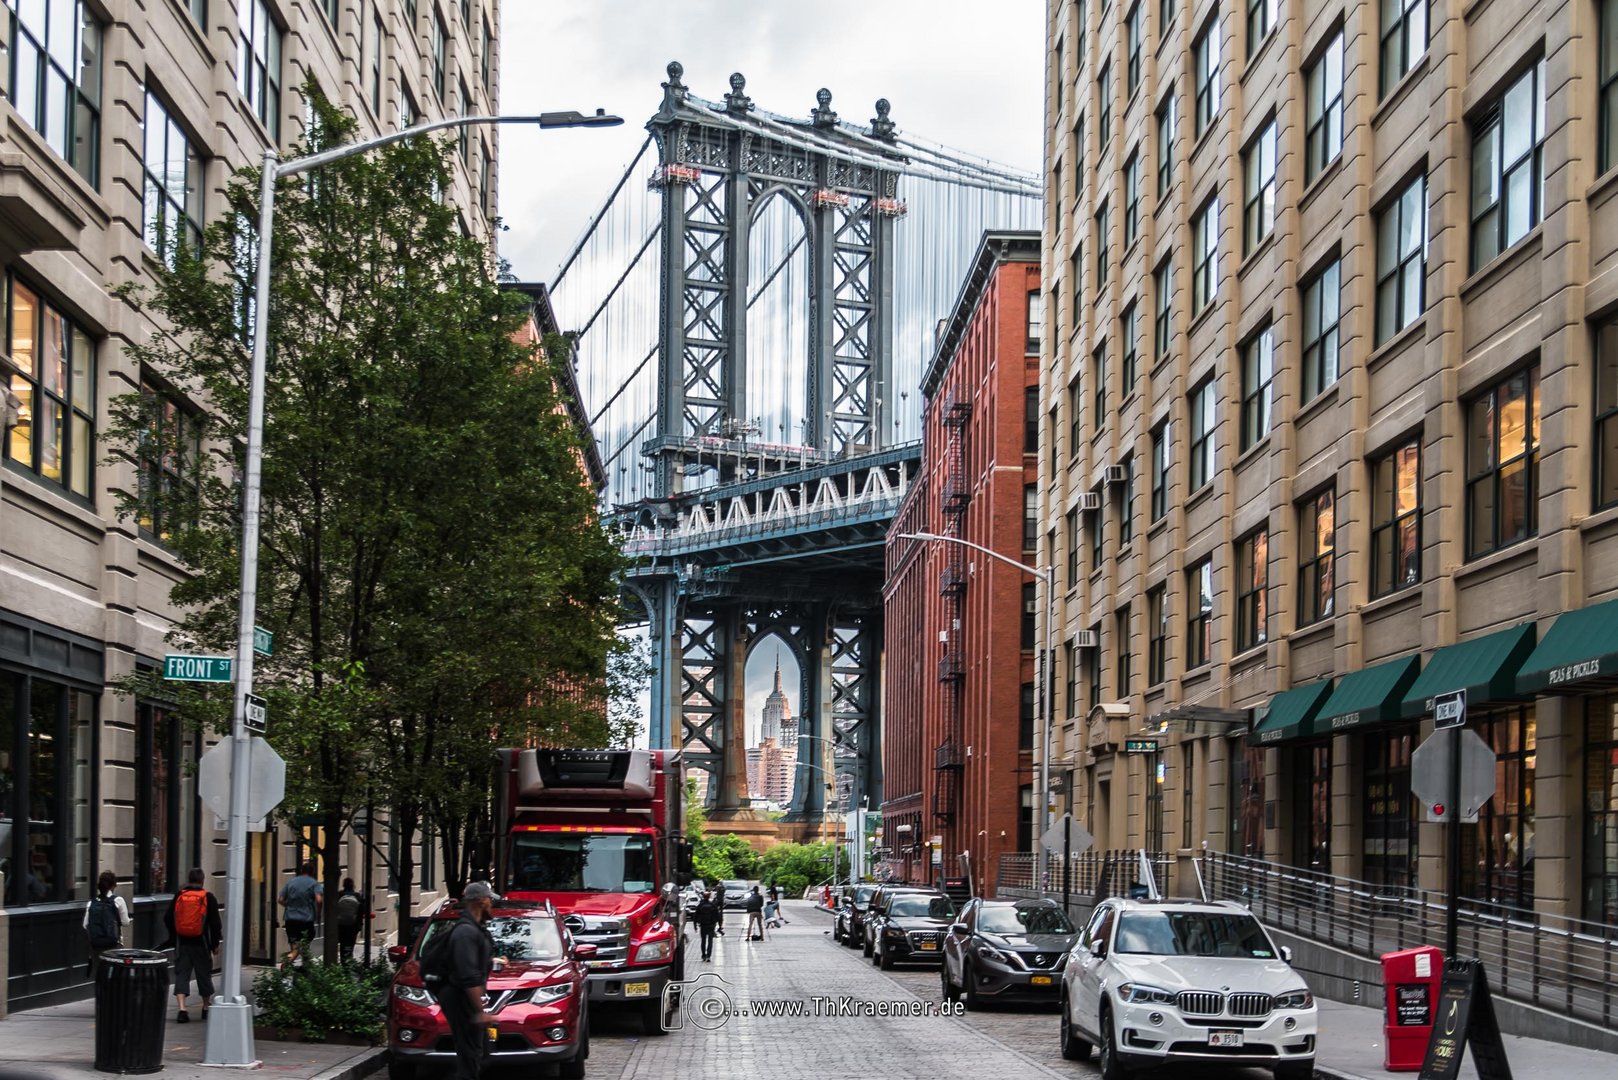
pixel 435 953
pixel 104 923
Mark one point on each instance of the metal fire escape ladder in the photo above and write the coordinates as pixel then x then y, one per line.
pixel 948 760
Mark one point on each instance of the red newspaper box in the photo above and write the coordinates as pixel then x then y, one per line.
pixel 1411 977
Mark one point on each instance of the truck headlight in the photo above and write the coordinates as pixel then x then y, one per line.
pixel 413 995
pixel 652 952
pixel 1295 999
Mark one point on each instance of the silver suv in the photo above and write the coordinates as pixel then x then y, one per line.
pixel 1155 982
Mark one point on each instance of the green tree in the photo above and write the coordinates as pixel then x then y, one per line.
pixel 431 562
pixel 696 815
pixel 716 858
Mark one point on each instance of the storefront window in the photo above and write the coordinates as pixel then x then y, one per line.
pixel 49 730
pixel 1246 800
pixel 1601 811
pixel 168 812
pixel 1311 773
pixel 1497 856
pixel 1390 810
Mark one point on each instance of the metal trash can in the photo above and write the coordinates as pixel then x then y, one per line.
pixel 132 994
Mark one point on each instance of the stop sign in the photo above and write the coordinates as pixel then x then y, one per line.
pixel 1430 780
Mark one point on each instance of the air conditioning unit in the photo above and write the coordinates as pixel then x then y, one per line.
pixel 1114 474
pixel 1089 500
pixel 1086 639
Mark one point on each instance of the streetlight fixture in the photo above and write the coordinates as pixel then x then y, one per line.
pixel 1048 576
pixel 229 1039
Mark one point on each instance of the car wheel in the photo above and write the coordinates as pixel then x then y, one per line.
pixel 1107 1051
pixel 837 933
pixel 400 1070
pixel 884 960
pixel 1073 1047
pixel 868 949
pixel 1295 1070
pixel 651 1017
pixel 969 984
pixel 573 1067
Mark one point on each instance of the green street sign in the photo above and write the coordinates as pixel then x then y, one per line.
pixel 1140 746
pixel 182 668
pixel 262 641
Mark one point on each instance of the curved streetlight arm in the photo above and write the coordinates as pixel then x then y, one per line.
pixel 1043 575
pixel 571 118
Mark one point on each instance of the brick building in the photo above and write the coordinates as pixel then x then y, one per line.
pixel 959 709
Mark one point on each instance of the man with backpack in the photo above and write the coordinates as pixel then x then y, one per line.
pixel 194 926
pixel 708 915
pixel 350 915
pixel 105 917
pixel 455 965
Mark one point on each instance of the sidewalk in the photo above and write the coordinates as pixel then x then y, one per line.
pixel 58 1043
pixel 1351 1048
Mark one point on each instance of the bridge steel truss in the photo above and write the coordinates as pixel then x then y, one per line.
pixel 789 542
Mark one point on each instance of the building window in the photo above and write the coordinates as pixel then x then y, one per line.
pixel 1030 420
pixel 1126 656
pixel 1075 426
pixel 1129 329
pixel 1131 200
pixel 1098 360
pixel 1317 557
pixel 1258 370
pixel 1059 71
pixel 375 55
pixel 1204 256
pixel 1104 103
pixel 167 810
pixel 1508 175
pixel 1025 718
pixel 172 202
pixel 1165 16
pixel 52 728
pixel 1404 38
pixel 1199 615
pixel 1075 277
pixel 1203 423
pixel 440 40
pixel 1396 519
pixel 1071 667
pixel 1309 767
pixel 1390 809
pixel 466 13
pixel 1246 801
pixel 1166 116
pixel 1188 780
pixel 1098 525
pixel 1601 810
pixel 1126 504
pixel 199 12
pixel 170 462
pixel 1030 517
pixel 487 59
pixel 1258 189
pixel 1035 323
pixel 1163 309
pixel 1092 668
pixel 1323 109
pixel 1072 549
pixel 1322 295
pixel 1160 470
pixel 54 380
pixel 1050 439
pixel 486 181
pixel 331 7
pixel 1497 854
pixel 1609 84
pixel 1206 52
pixel 408 113
pixel 258 63
pixel 1157 635
pixel 1058 191
pixel 1103 254
pixel 56 78
pixel 1260 21
pixel 466 129
pixel 1502 464
pixel 411 17
pixel 1401 260
pixel 1081 12
pixel 1606 396
pixel 1132 38
pixel 1252 590
pixel 1029 602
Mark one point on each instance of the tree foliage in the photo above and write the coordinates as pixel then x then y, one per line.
pixel 431 563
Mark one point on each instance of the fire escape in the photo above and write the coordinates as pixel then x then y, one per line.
pixel 948 760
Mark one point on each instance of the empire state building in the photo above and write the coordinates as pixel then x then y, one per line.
pixel 772 763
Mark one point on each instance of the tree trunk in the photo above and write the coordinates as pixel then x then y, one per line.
pixel 405 819
pixel 331 855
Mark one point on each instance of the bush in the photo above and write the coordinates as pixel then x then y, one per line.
pixel 792 885
pixel 324 998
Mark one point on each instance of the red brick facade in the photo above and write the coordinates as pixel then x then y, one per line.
pixel 956 758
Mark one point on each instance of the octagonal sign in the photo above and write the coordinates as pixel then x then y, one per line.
pixel 1429 774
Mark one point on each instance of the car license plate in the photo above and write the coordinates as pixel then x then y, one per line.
pixel 929 946
pixel 1040 980
pixel 645 990
pixel 1226 1039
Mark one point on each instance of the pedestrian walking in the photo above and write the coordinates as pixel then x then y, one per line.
pixel 301 900
pixel 755 914
pixel 105 917
pixel 709 915
pixel 775 900
pixel 194 926
pixel 459 976
pixel 351 915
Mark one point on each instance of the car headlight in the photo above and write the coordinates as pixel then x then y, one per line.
pixel 544 995
pixel 651 952
pixel 893 932
pixel 989 952
pixel 1295 999
pixel 1140 994
pixel 414 995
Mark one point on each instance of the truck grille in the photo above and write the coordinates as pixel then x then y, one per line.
pixel 609 936
pixel 1249 1004
pixel 1200 1002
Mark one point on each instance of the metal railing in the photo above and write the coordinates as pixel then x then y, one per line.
pixel 1554 962
pixel 1094 875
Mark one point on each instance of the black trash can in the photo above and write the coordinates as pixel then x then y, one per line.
pixel 132 995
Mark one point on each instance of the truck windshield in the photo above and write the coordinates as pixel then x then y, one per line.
pixel 581 862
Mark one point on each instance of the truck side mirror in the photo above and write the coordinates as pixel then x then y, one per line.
pixel 684 860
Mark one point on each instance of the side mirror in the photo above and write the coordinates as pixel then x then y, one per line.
pixel 398 953
pixel 683 860
pixel 583 951
pixel 1286 953
pixel 958 929
pixel 1098 948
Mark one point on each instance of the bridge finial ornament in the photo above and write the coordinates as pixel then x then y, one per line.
pixel 881 127
pixel 737 100
pixel 823 116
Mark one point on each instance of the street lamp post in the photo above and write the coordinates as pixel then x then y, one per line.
pixel 1048 577
pixel 829 774
pixel 229 1039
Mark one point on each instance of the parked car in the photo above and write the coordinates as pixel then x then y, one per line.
pixel 848 928
pixel 910 928
pixel 538 997
pixel 1155 982
pixel 1005 950
pixel 690 897
pixel 735 894
pixel 873 908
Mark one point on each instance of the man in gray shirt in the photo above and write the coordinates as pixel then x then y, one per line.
pixel 301 900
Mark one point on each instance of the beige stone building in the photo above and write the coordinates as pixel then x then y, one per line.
pixel 120 122
pixel 1330 382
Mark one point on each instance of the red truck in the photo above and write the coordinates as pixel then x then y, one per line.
pixel 600 834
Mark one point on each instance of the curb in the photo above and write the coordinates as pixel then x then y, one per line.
pixel 357 1069
pixel 1325 1072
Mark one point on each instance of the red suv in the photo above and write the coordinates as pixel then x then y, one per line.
pixel 538 996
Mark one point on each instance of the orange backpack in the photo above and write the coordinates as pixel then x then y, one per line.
pixel 190 913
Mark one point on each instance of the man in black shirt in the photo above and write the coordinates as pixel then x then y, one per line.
pixel 466 974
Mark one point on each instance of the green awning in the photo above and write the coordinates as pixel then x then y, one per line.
pixel 1578 651
pixel 1290 714
pixel 1371 695
pixel 1486 668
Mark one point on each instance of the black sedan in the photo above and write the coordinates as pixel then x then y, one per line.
pixel 849 928
pixel 910 928
pixel 1007 949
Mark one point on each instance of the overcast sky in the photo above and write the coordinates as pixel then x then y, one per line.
pixel 958 72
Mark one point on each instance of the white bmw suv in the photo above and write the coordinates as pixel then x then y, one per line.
pixel 1153 982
